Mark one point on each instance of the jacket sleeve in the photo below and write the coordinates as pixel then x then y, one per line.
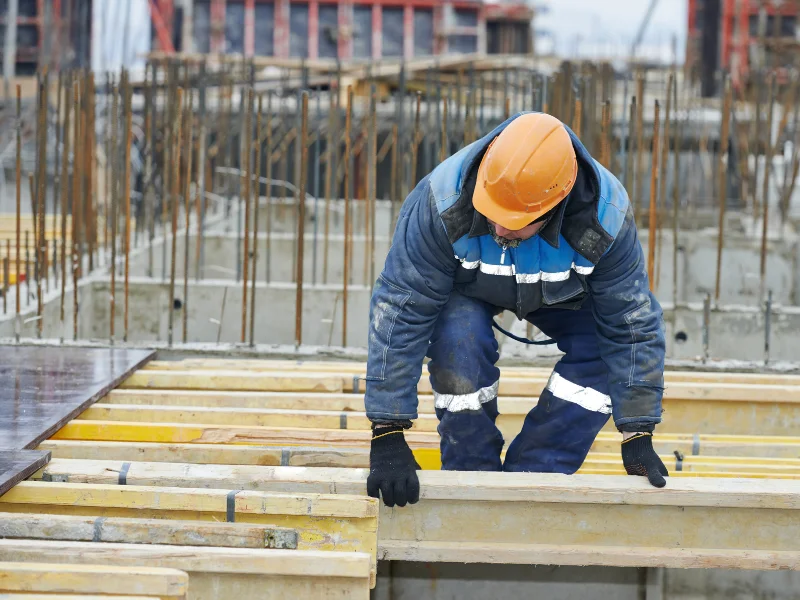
pixel 409 294
pixel 630 329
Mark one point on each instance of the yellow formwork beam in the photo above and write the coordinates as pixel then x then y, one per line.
pixel 482 517
pixel 233 380
pixel 220 454
pixel 323 522
pixel 687 444
pixel 734 417
pixel 35 596
pixel 242 380
pixel 220 573
pixel 358 368
pixel 166 584
pixel 144 531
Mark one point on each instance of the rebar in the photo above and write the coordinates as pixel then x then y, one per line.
pixel 303 141
pixel 722 186
pixel 652 217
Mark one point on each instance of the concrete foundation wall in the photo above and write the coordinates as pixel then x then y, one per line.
pixel 215 309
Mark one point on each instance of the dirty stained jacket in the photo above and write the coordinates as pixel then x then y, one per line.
pixel 588 249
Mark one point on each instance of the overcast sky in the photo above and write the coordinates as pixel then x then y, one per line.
pixel 591 27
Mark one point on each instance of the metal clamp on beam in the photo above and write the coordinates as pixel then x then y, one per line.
pixel 231 506
pixel 678 460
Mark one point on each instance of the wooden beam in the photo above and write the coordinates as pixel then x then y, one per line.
pixel 232 380
pixel 93 579
pixel 218 454
pixel 359 458
pixel 774 415
pixel 34 596
pixel 171 433
pixel 509 386
pixel 359 368
pixel 319 419
pixel 323 522
pixel 144 531
pixel 243 574
pixel 460 512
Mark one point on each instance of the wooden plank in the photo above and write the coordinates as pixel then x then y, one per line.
pixel 688 444
pixel 232 380
pixel 509 386
pixel 733 417
pixel 323 521
pixel 516 509
pixel 359 368
pixel 34 596
pixel 93 579
pixel 243 574
pixel 357 457
pixel 219 454
pixel 16 465
pixel 144 531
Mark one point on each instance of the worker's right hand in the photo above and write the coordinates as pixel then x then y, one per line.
pixel 392 468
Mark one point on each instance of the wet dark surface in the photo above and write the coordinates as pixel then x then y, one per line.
pixel 16 465
pixel 42 388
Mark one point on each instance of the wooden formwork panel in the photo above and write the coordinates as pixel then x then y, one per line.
pixel 467 517
pixel 217 573
pixel 35 596
pixel 46 578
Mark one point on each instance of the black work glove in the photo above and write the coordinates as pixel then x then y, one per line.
pixel 640 458
pixel 392 468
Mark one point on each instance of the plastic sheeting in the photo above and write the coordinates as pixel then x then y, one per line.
pixel 298 30
pixel 120 35
pixel 328 30
pixel 265 29
pixel 423 32
pixel 234 28
pixel 362 32
pixel 201 26
pixel 392 31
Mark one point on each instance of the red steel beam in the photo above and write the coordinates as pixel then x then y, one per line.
pixel 217 13
pixel 313 29
pixel 377 32
pixel 163 34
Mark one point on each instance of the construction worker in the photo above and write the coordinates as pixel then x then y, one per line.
pixel 521 220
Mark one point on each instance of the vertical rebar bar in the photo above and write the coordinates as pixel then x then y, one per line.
pixel 444 149
pixel 301 228
pixel 114 207
pixel 268 155
pixel 64 198
pixel 652 218
pixel 187 189
pixel 330 175
pixel 18 268
pixel 769 148
pixel 175 156
pixel 257 194
pixel 723 180
pixel 767 326
pixel 41 132
pixel 638 193
pixel 373 169
pixel 247 169
pixel 126 182
pixel 676 181
pixel 76 153
pixel 347 148
pixel 706 326
pixel 629 166
pixel 662 174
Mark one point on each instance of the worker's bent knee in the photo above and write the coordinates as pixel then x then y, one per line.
pixel 470 441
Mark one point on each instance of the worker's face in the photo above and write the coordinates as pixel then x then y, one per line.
pixel 511 235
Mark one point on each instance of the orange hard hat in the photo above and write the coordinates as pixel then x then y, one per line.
pixel 528 169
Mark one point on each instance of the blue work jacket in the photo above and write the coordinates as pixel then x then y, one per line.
pixel 589 248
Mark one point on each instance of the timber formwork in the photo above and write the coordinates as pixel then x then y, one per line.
pixel 203 465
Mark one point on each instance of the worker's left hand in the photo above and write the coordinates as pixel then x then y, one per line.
pixel 640 458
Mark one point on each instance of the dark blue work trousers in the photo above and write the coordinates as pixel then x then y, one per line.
pixel 557 433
